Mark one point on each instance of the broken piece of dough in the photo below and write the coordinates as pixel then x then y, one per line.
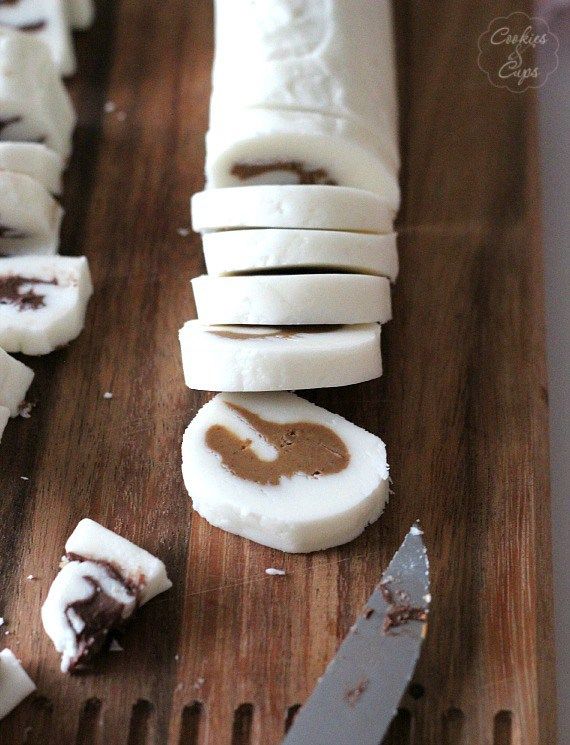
pixel 281 471
pixel 104 579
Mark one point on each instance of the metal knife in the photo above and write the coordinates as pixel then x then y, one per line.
pixel 357 697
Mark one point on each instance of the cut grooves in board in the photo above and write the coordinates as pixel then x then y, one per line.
pixel 400 730
pixel 139 728
pixel 191 724
pixel 452 727
pixel 290 716
pixel 503 728
pixel 88 725
pixel 243 724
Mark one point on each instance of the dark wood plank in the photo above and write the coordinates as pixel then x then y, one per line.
pixel 462 407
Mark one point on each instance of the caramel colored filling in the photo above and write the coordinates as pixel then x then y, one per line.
pixel 283 333
pixel 245 171
pixel 302 447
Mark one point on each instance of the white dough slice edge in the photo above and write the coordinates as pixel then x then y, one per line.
pixel 31 215
pixel 262 358
pixel 34 160
pixel 241 251
pixel 302 513
pixel 284 299
pixel 4 419
pixel 315 207
pixel 15 379
pixel 15 683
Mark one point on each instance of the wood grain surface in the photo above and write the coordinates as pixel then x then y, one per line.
pixel 228 654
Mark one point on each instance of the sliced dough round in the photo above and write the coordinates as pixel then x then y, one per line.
pixel 262 358
pixel 314 206
pixel 15 379
pixel 34 160
pixel 281 471
pixel 30 218
pixel 43 300
pixel 268 146
pixel 248 251
pixel 286 299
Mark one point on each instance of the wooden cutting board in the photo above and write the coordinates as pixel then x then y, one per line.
pixel 228 654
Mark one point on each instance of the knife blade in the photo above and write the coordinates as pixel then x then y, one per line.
pixel 357 697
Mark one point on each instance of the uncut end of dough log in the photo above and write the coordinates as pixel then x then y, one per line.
pixel 315 207
pixel 292 299
pixel 43 301
pixel 300 148
pixel 283 472
pixel 264 358
pixel 15 683
pixel 102 582
pixel 35 160
pixel 15 379
pixel 30 216
pixel 311 82
pixel 35 104
pixel 270 249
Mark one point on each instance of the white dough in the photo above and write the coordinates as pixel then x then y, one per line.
pixel 331 56
pixel 30 216
pixel 63 284
pixel 96 543
pixel 315 207
pixel 34 160
pixel 46 20
pixel 302 512
pixel 15 379
pixel 34 104
pixel 80 13
pixel 15 683
pixel 284 299
pixel 317 59
pixel 273 359
pixel 339 147
pixel 240 251
pixel 4 418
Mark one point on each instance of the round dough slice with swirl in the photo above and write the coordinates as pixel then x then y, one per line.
pixel 281 471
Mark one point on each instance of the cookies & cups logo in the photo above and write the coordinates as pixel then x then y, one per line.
pixel 518 52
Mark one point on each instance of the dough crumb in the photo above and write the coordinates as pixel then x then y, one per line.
pixel 107 395
pixel 275 572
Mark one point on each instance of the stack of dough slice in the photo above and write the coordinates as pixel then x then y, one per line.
pixel 297 222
